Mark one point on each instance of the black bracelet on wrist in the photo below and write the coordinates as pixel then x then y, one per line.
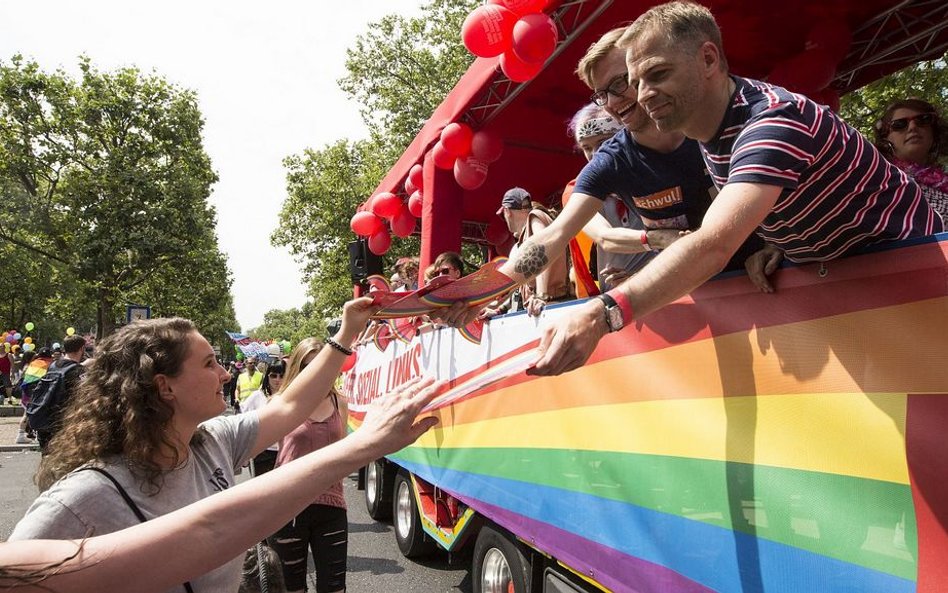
pixel 337 346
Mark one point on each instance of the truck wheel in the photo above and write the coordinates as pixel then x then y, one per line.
pixel 409 535
pixel 499 565
pixel 378 489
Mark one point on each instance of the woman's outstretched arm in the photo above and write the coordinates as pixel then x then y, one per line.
pixel 169 550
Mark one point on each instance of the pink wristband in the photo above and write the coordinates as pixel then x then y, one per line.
pixel 644 239
pixel 624 305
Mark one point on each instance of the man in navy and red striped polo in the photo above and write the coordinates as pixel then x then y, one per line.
pixel 788 169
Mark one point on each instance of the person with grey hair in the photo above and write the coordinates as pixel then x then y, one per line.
pixel 616 226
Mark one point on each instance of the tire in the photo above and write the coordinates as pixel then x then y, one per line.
pixel 409 535
pixel 499 564
pixel 379 477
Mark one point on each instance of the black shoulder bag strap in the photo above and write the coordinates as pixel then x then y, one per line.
pixel 131 504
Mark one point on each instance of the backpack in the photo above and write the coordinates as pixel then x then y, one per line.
pixel 48 396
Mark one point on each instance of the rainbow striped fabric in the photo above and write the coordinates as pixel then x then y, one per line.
pixel 35 370
pixel 733 441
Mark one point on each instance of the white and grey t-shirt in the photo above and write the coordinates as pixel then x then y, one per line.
pixel 85 503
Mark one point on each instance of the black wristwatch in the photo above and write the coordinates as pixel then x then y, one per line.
pixel 614 319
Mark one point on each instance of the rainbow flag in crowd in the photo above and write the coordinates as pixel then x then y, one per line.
pixel 35 370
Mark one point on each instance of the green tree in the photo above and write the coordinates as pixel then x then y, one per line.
pixel 399 71
pixel 324 188
pixel 926 80
pixel 290 324
pixel 113 181
pixel 402 68
pixel 204 298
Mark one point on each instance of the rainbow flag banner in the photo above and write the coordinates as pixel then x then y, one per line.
pixel 732 441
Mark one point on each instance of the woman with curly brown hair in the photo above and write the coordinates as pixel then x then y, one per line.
pixel 157 555
pixel 143 435
pixel 914 138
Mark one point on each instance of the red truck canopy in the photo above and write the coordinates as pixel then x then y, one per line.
pixel 531 117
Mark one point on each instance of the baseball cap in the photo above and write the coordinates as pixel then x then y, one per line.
pixel 516 198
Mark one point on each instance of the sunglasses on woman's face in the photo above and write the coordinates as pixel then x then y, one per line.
pixel 275 375
pixel 923 120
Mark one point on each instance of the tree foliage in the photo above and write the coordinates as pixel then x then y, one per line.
pixel 926 80
pixel 399 71
pixel 108 182
pixel 291 324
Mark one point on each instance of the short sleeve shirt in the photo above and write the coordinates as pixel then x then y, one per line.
pixel 838 192
pixel 85 503
pixel 667 190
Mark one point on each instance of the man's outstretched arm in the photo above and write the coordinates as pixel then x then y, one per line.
pixel 536 254
pixel 689 262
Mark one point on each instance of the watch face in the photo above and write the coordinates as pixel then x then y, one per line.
pixel 614 315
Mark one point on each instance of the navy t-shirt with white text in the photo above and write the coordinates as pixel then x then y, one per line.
pixel 667 190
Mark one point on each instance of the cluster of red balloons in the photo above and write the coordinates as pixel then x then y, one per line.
pixel 516 30
pixel 811 71
pixel 467 152
pixel 369 221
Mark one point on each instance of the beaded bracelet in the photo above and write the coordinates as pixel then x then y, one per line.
pixel 337 346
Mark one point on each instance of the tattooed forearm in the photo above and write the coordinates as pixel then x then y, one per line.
pixel 531 260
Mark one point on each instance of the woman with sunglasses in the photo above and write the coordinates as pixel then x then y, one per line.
pixel 323 526
pixel 913 137
pixel 146 421
pixel 272 383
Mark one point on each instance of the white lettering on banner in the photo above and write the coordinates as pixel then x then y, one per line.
pixel 365 386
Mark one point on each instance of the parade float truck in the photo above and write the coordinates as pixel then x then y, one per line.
pixel 731 441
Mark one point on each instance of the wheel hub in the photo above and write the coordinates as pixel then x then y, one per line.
pixel 371 482
pixel 403 510
pixel 495 573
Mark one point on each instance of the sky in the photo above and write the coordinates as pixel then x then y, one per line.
pixel 265 75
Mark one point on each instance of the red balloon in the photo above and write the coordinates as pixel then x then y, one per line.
pixel 487 30
pixel 522 7
pixel 349 362
pixel 415 204
pixel 516 69
pixel 487 145
pixel 534 38
pixel 403 223
pixel 416 176
pixel 379 242
pixel 386 204
pixel 806 72
pixel 470 172
pixel 410 187
pixel 456 139
pixel 443 158
pixel 832 36
pixel 365 224
pixel 497 231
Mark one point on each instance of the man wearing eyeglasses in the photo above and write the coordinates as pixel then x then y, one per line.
pixel 660 175
pixel 788 170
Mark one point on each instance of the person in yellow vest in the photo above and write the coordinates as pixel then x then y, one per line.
pixel 249 380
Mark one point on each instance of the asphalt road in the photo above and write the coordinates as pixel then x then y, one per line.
pixel 375 564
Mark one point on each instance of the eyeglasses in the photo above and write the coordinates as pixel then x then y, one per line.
pixel 923 120
pixel 616 87
pixel 275 375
